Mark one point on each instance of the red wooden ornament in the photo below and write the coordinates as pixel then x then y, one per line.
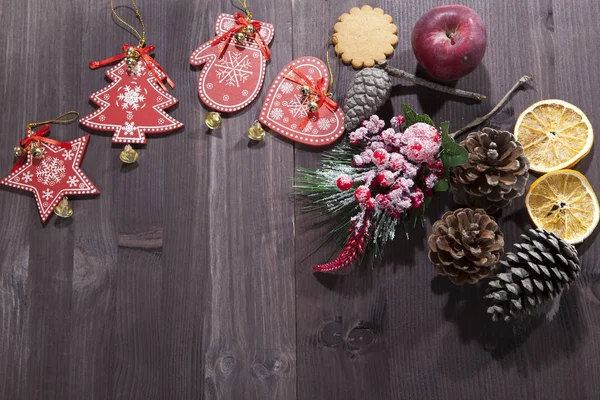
pixel 55 175
pixel 132 105
pixel 286 111
pixel 233 73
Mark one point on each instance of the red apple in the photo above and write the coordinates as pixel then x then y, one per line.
pixel 449 41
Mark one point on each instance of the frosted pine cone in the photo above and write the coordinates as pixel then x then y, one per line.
pixel 542 266
pixel 370 89
pixel 495 174
pixel 465 245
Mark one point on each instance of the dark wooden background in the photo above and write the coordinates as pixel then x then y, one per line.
pixel 190 276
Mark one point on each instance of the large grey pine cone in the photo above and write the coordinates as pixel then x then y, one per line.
pixel 542 266
pixel 495 173
pixel 370 89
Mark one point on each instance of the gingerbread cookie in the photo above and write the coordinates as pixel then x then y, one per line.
pixel 364 36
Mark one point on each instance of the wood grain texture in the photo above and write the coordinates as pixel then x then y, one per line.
pixel 190 276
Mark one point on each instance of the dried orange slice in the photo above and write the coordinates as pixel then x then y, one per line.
pixel 564 202
pixel 554 134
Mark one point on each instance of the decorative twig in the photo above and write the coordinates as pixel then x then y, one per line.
pixel 399 73
pixel 481 120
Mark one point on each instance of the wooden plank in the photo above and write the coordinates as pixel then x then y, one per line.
pixel 342 346
pixel 19 211
pixel 248 317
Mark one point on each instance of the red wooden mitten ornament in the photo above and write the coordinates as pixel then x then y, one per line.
pixel 298 105
pixel 234 62
pixel 133 105
pixel 50 170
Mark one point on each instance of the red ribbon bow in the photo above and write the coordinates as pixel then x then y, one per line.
pixel 319 90
pixel 144 52
pixel 241 23
pixel 37 137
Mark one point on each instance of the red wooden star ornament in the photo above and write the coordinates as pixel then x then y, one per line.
pixel 50 169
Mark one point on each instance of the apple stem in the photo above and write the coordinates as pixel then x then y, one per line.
pixel 398 73
pixel 482 119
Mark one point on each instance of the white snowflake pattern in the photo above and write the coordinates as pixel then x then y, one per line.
pixel 228 24
pixel 297 106
pixel 209 85
pixel 27 177
pixel 234 70
pixel 129 128
pixel 308 127
pixel 132 97
pixel 276 114
pixel 324 124
pixel 244 92
pixel 138 69
pixel 106 96
pixel 47 194
pixel 256 54
pixel 287 87
pixel 68 154
pixel 286 120
pixel 129 116
pixel 161 121
pixel 102 118
pixel 50 171
pixel 72 181
pixel 159 99
pixel 226 98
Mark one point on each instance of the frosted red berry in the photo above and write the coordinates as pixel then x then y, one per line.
pixel 380 156
pixel 362 194
pixel 344 182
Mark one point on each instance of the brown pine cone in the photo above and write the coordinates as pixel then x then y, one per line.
pixel 495 174
pixel 465 245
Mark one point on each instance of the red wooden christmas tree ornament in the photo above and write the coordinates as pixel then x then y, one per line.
pixel 299 107
pixel 234 62
pixel 134 104
pixel 50 170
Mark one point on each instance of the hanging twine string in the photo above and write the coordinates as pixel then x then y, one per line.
pixel 244 5
pixel 242 24
pixel 141 36
pixel 136 51
pixel 337 65
pixel 35 139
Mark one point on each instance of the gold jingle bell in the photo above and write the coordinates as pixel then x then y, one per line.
pixel 240 37
pixel 129 155
pixel 213 120
pixel 130 52
pixel 63 209
pixel 38 152
pixel 249 30
pixel 313 106
pixel 305 90
pixel 18 151
pixel 256 131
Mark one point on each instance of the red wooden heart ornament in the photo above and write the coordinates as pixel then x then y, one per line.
pixel 286 108
pixel 233 73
